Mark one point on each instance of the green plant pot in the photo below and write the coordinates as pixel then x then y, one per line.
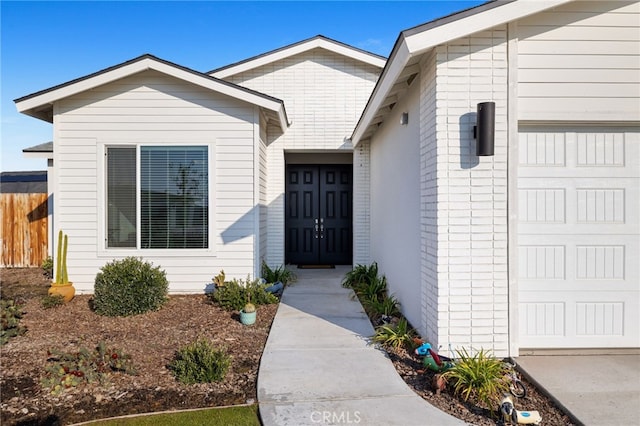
pixel 247 318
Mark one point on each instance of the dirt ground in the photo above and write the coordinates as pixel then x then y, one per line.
pixel 411 370
pixel 151 339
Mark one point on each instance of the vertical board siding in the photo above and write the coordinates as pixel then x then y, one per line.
pixel 152 108
pixel 324 94
pixel 24 229
pixel 580 61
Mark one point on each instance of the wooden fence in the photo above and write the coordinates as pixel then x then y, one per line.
pixel 24 229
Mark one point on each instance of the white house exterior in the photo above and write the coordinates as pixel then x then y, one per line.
pixel 187 170
pixel 536 246
pixel 322 153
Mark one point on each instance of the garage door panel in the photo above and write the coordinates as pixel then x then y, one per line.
pixel 578 257
pixel 569 153
pixel 580 260
pixel 586 319
pixel 588 205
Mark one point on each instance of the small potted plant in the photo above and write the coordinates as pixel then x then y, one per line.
pixel 248 313
pixel 61 285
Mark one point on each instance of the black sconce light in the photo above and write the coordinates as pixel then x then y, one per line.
pixel 484 130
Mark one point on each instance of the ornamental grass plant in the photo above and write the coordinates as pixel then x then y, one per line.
pixel 478 378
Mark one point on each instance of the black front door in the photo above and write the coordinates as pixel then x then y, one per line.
pixel 318 214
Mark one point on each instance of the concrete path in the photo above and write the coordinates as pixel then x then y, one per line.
pixel 596 390
pixel 318 368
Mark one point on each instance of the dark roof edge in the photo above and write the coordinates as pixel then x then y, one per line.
pixel 43 147
pixel 86 77
pixel 424 27
pixel 289 46
pixel 456 16
pixel 155 58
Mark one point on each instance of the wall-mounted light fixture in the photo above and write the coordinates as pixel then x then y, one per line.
pixel 484 130
pixel 404 118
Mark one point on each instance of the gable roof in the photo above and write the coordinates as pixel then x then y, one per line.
pixel 402 66
pixel 318 41
pixel 40 104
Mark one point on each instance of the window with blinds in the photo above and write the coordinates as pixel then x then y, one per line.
pixel 121 197
pixel 173 197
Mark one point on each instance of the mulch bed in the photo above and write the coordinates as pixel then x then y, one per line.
pixel 421 380
pixel 151 339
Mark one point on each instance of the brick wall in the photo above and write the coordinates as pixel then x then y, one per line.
pixel 464 225
pixel 361 205
pixel 324 94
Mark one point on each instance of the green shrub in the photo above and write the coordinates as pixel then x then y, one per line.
pixel 47 267
pixel 281 274
pixel 479 378
pixel 69 369
pixel 235 294
pixel 52 300
pixel 129 287
pixel 395 336
pixel 373 289
pixel 10 319
pixel 386 307
pixel 360 275
pixel 200 362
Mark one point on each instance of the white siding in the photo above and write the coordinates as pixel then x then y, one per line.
pixel 324 94
pixel 395 209
pixel 152 108
pixel 580 61
pixel 465 196
pixel 263 169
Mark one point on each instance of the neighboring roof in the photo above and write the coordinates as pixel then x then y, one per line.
pixel 43 150
pixel 402 66
pixel 43 147
pixel 23 182
pixel 39 104
pixel 318 41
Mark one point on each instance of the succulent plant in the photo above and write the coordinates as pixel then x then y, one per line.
pixel 218 280
pixel 62 278
pixel 249 307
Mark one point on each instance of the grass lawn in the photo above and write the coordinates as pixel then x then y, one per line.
pixel 229 416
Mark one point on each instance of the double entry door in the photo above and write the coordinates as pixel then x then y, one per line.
pixel 318 224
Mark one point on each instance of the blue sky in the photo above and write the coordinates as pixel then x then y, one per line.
pixel 47 43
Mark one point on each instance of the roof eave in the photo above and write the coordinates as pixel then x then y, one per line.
pixel 296 49
pixel 419 40
pixel 40 104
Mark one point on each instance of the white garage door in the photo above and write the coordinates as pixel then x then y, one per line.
pixel 578 251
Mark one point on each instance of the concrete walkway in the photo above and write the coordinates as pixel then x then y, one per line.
pixel 596 390
pixel 318 368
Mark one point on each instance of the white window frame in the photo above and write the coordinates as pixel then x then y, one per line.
pixel 106 252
